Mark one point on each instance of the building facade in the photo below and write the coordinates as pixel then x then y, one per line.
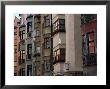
pixel 22 45
pixel 89 43
pixel 74 62
pixel 57 45
pixel 46 44
pixel 16 45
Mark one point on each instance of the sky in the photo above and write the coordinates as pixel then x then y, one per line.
pixel 17 15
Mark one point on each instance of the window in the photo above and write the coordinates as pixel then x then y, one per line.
pixel 88 46
pixel 29 27
pixel 59 55
pixel 15 50
pixel 38 51
pixel 91 42
pixel 22 34
pixel 47 65
pixel 29 50
pixel 59 26
pixel 29 70
pixel 15 74
pixel 95 41
pixel 46 21
pixel 37 33
pixel 62 54
pixel 85 44
pixel 47 42
pixel 23 71
pixel 15 33
pixel 86 18
pixel 22 56
pixel 15 67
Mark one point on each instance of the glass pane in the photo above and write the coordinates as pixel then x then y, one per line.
pixel 62 21
pixel 91 47
pixel 91 36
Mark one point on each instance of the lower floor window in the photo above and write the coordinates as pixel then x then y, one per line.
pixel 89 48
pixel 59 55
pixel 29 70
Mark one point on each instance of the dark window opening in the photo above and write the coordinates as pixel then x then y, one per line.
pixel 22 56
pixel 22 34
pixel 29 27
pixel 29 51
pixel 29 70
pixel 47 42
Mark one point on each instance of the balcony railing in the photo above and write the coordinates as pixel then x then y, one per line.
pixel 36 54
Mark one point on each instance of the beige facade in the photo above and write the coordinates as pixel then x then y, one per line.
pixel 59 42
pixel 73 43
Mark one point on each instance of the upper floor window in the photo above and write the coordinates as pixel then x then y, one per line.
pixel 46 20
pixel 38 33
pixel 88 43
pixel 91 42
pixel 38 51
pixel 15 33
pixel 47 42
pixel 59 25
pixel 89 56
pixel 29 51
pixel 22 56
pixel 86 18
pixel 22 34
pixel 85 44
pixel 29 27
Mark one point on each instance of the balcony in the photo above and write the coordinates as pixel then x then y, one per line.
pixel 47 35
pixel 58 31
pixel 36 54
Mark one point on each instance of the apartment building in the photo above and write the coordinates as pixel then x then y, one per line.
pixel 22 45
pixel 37 58
pixel 89 43
pixel 35 45
pixel 29 45
pixel 16 44
pixel 46 44
pixel 59 43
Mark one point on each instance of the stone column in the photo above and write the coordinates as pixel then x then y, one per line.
pixel 73 43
